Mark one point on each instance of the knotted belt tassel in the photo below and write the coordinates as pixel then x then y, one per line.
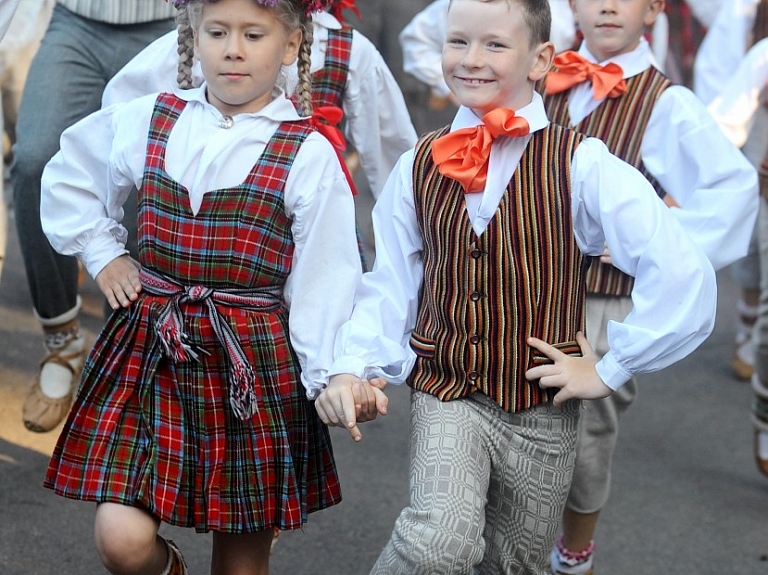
pixel 177 345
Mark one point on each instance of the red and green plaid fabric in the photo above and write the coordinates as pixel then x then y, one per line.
pixel 149 432
pixel 330 82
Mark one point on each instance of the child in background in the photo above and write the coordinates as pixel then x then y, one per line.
pixel 194 407
pixel 348 72
pixel 738 25
pixel 422 42
pixel 738 111
pixel 611 90
pixel 476 299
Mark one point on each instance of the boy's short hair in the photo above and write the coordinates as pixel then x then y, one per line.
pixel 537 16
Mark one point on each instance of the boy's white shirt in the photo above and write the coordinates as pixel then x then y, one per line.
pixel 101 162
pixel 735 106
pixel 723 47
pixel 378 123
pixel 719 199
pixel 674 295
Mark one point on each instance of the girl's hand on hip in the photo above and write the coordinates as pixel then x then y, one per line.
pixel 119 281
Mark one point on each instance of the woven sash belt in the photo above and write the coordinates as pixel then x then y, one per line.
pixel 169 327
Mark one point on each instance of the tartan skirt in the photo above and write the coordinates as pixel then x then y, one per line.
pixel 150 433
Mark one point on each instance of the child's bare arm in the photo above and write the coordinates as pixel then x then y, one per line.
pixel 349 400
pixel 119 281
pixel 575 376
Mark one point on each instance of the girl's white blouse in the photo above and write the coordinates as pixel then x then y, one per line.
pixel 101 162
pixel 378 124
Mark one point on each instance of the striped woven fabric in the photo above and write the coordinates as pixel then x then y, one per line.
pixel 483 296
pixel 620 123
pixel 121 11
pixel 148 431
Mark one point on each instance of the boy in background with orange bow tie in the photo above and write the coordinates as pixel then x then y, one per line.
pixel 476 299
pixel 611 89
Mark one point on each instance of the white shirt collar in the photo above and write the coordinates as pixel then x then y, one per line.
pixel 632 63
pixel 534 113
pixel 280 109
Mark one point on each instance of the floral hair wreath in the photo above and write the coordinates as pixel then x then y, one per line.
pixel 310 6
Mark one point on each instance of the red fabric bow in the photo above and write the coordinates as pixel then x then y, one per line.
pixel 325 120
pixel 342 5
pixel 463 155
pixel 571 68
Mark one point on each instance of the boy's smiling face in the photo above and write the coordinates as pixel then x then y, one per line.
pixel 488 59
pixel 614 27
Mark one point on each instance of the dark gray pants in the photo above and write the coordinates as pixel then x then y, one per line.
pixel 76 59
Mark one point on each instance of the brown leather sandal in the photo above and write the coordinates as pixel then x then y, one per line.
pixel 42 413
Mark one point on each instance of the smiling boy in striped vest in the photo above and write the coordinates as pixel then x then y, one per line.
pixel 476 299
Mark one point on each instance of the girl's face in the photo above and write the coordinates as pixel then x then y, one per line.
pixel 241 46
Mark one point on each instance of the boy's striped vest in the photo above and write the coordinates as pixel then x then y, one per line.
pixel 620 123
pixel 483 296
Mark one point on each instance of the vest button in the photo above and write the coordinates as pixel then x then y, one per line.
pixel 474 296
pixel 476 253
pixel 474 340
pixel 473 376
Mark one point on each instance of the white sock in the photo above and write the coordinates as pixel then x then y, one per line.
pixel 56 381
pixel 762 444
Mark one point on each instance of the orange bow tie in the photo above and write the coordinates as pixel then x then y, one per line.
pixel 571 68
pixel 463 154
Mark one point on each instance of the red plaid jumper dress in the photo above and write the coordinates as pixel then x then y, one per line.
pixel 159 434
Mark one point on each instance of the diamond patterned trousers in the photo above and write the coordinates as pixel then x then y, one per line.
pixel 487 488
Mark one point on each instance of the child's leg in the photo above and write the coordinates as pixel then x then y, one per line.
pixel 530 477
pixel 241 553
pixel 441 531
pixel 596 441
pixel 127 541
pixel 746 273
pixel 760 377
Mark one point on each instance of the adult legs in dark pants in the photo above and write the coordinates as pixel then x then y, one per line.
pixel 76 59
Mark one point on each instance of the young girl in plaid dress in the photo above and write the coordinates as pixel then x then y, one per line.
pixel 194 406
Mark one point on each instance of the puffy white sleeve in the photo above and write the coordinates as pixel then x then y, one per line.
pixel 326 264
pixel 378 122
pixel 152 70
pixel 84 186
pixel 723 47
pixel 375 341
pixel 674 296
pixel 713 182
pixel 422 44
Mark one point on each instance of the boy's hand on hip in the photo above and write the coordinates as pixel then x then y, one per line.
pixel 575 376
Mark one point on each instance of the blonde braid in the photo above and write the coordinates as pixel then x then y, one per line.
pixel 304 87
pixel 185 49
